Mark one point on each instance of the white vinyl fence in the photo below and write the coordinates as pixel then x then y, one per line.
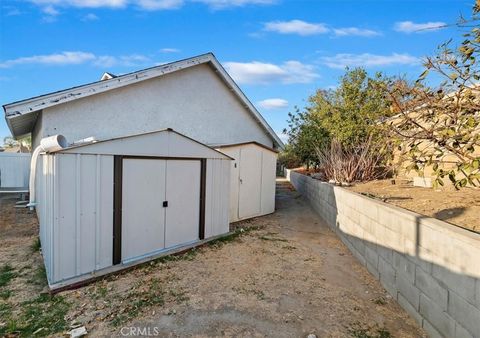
pixel 14 171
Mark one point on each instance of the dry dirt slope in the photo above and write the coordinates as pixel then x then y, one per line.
pixel 459 207
pixel 286 277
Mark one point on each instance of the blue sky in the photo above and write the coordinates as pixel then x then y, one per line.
pixel 278 51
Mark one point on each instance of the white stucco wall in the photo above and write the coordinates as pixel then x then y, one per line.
pixel 194 102
pixel 37 132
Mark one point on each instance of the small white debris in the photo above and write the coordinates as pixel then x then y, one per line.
pixel 78 332
pixel 311 335
pixel 38 331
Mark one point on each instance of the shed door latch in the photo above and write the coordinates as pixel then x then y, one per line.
pixel 165 204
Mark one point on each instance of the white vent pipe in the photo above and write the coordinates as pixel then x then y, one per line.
pixel 47 144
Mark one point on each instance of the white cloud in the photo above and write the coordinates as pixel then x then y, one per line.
pixel 309 28
pixel 50 10
pixel 124 60
pixel 148 5
pixel 76 58
pixel 368 60
pixel 63 58
pixel 263 73
pixel 90 17
pixel 354 31
pixel 82 3
pixel 296 27
pixel 155 5
pixel 170 50
pixel 222 4
pixel 412 27
pixel 273 103
pixel 12 11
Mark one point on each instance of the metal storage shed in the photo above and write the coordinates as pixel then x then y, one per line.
pixel 252 184
pixel 107 205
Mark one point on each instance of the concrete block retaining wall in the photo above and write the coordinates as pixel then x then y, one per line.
pixel 430 267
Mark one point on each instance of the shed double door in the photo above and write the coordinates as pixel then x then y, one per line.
pixel 160 205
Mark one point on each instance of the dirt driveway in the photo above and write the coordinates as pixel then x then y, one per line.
pixel 285 275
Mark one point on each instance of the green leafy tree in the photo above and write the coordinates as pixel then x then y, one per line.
pixel 351 112
pixel 305 134
pixel 9 142
pixel 288 157
pixel 348 114
pixel 439 128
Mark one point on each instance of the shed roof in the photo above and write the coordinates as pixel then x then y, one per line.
pixel 21 116
pixel 230 145
pixel 159 143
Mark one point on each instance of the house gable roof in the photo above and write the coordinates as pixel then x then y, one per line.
pixel 21 116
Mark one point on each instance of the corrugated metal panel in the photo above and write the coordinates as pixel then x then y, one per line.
pixel 217 197
pixel 45 207
pixel 183 195
pixel 250 194
pixel 83 206
pixel 143 217
pixel 269 166
pixel 255 166
pixel 234 152
pixel 14 170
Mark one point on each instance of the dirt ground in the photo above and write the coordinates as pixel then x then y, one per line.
pixel 459 207
pixel 282 275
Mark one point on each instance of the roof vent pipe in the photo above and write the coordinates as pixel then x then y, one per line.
pixel 47 144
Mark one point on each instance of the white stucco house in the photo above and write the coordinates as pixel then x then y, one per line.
pixel 154 161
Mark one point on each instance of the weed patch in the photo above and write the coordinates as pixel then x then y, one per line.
pixel 7 273
pixel 39 278
pixel 44 315
pixel 5 294
pixel 380 301
pixel 232 236
pixel 99 292
pixel 186 256
pixel 359 331
pixel 141 297
pixel 273 239
pixel 36 246
pixel 180 296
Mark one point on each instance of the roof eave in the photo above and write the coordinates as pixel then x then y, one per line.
pixel 44 101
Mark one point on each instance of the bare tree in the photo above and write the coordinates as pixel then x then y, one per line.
pixel 439 127
pixel 357 163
